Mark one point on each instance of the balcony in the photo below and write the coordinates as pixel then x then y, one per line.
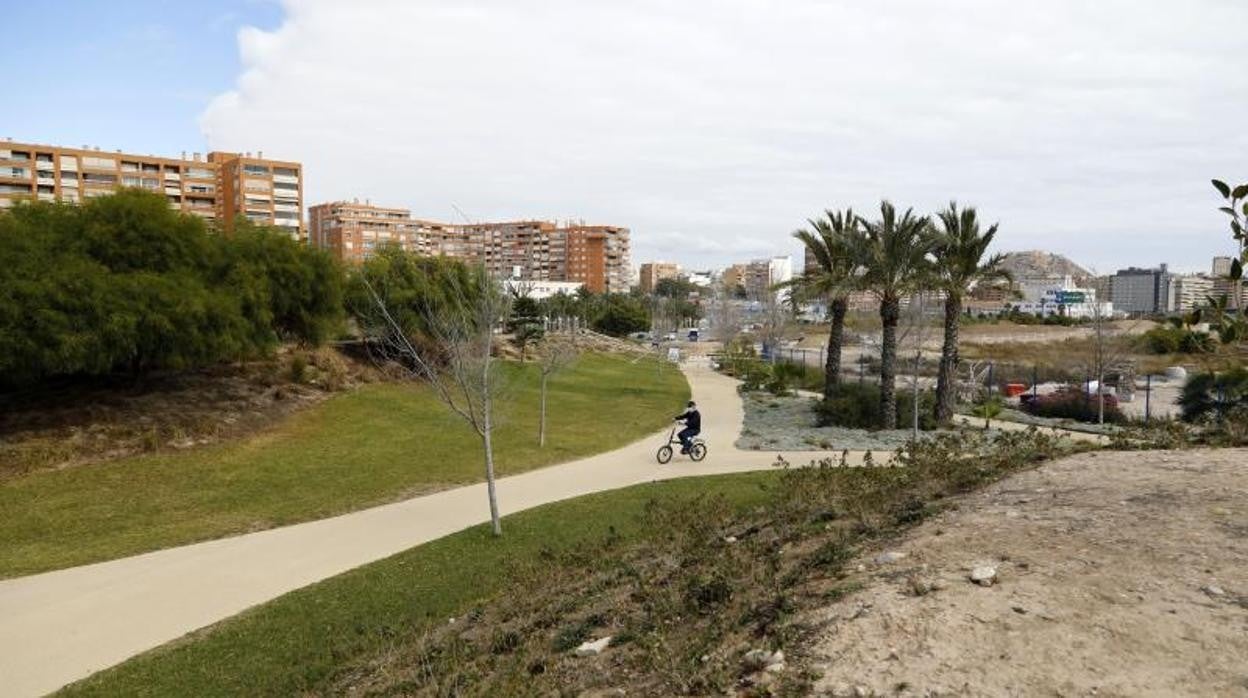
pixel 173 190
pixel 173 177
pixel 286 207
pixel 285 179
pixel 45 180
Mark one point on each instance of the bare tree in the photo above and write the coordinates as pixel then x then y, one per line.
pixel 776 318
pixel 453 352
pixel 1106 354
pixel 915 331
pixel 555 353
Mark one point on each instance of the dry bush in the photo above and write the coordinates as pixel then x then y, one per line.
pixel 684 606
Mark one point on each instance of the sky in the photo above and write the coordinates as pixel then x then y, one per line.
pixel 711 128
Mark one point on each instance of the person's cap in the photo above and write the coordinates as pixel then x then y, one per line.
pixel 691 403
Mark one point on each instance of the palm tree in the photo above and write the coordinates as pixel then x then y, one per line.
pixel 893 253
pixel 961 263
pixel 829 243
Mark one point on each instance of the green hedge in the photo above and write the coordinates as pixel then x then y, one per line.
pixel 123 283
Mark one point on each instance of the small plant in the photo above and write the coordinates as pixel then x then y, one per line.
pixel 1073 403
pixel 857 406
pixel 1218 401
pixel 989 408
pixel 299 369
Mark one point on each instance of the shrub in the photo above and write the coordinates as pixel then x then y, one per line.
pixel 299 369
pixel 783 375
pixel 1212 396
pixel 123 283
pixel 1177 340
pixel 1074 404
pixel 857 406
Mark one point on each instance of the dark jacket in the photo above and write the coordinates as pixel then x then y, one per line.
pixel 692 419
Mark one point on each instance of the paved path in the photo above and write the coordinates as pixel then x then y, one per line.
pixel 58 627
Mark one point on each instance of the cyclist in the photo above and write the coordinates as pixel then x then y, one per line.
pixel 693 426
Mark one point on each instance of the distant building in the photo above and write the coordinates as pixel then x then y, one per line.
pixel 1221 266
pixel 1104 287
pixel 780 271
pixel 1069 302
pixel 352 231
pixel 701 279
pixel 539 290
pixel 219 188
pixel 1033 288
pixel 1191 291
pixel 654 272
pixel 1144 291
pixel 595 256
pixel 756 278
pixel 991 293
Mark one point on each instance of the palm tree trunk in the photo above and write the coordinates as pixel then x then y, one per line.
pixel 836 339
pixel 945 393
pixel 890 314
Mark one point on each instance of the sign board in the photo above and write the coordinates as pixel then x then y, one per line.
pixel 673 355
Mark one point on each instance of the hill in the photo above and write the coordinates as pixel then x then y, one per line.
pixel 1041 263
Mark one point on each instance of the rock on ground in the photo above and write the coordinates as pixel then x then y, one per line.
pixel 1108 584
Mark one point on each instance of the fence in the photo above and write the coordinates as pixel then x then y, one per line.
pixel 991 377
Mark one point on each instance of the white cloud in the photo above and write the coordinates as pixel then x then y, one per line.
pixel 714 128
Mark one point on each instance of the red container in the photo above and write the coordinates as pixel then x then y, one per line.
pixel 1014 389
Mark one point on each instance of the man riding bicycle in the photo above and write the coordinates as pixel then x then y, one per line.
pixel 693 426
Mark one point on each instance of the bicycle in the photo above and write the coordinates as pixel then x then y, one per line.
pixel 697 448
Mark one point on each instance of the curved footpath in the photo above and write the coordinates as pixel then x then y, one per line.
pixel 58 627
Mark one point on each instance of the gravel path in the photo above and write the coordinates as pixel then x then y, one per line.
pixel 788 423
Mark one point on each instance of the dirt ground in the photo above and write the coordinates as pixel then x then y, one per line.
pixel 1118 574
pixel 76 422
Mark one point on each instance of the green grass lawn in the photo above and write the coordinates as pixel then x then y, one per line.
pixel 301 641
pixel 379 443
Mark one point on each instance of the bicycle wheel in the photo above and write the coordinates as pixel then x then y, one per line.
pixel 698 452
pixel 664 454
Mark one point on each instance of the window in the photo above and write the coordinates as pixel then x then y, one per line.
pixel 130 181
pixel 20 172
pixel 199 172
pixel 286 171
pixel 99 163
pixel 127 166
pixel 255 169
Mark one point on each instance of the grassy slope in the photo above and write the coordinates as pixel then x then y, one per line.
pixel 297 642
pixel 373 445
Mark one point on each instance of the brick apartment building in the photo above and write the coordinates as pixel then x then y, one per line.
pixel 654 272
pixel 597 256
pixel 352 230
pixel 219 187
